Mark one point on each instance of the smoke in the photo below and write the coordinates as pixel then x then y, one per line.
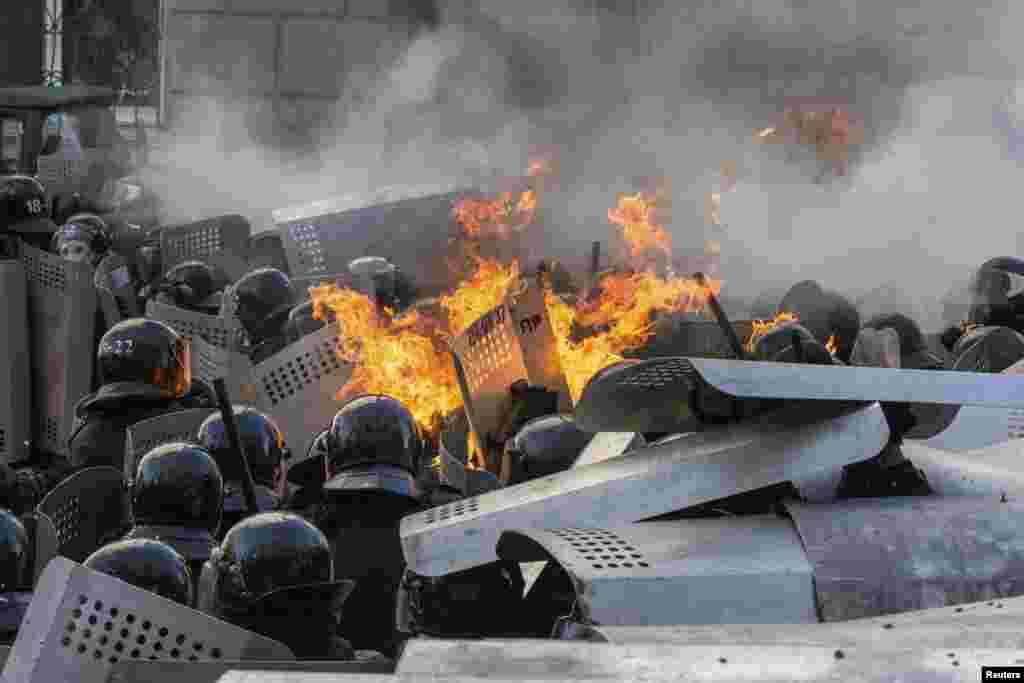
pixel 666 90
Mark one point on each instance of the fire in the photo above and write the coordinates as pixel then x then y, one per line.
pixel 622 315
pixel 481 292
pixel 763 327
pixel 636 215
pixel 831 345
pixel 826 126
pixel 501 217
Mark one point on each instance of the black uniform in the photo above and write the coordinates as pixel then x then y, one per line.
pixel 145 369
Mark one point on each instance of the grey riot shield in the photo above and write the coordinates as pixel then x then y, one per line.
pixel 979 427
pixel 15 365
pixel 115 289
pixel 299 385
pixel 87 508
pixel 749 569
pixel 45 544
pixel 717 463
pixel 82 622
pixel 213 329
pixel 878 556
pixel 129 671
pixel 410 225
pixel 142 437
pixel 446 471
pixel 220 242
pixel 607 445
pixel 539 660
pixel 996 471
pixel 62 321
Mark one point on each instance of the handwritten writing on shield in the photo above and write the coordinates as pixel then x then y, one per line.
pixel 531 324
pixel 485 325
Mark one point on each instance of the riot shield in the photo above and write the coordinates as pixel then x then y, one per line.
pixel 213 329
pixel 996 471
pixel 221 242
pixel 45 544
pixel 62 321
pixel 607 445
pixel 978 427
pixel 86 509
pixel 210 672
pixel 411 226
pixel 115 289
pixel 15 366
pixel 144 436
pixel 749 569
pixel 446 471
pixel 717 463
pixel 878 556
pixel 81 623
pixel 298 386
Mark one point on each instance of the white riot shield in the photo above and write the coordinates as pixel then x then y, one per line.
pixel 15 366
pixel 715 464
pixel 746 570
pixel 211 328
pixel 298 386
pixel 148 671
pixel 80 623
pixel 409 226
pixel 144 436
pixel 607 445
pixel 62 309
pixel 221 242
pixel 116 290
pixel 85 509
pixel 513 341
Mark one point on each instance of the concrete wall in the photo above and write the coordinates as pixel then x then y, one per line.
pixel 272 57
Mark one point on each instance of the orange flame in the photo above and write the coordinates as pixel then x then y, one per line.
pixel 831 345
pixel 501 217
pixel 763 327
pixel 636 215
pixel 481 292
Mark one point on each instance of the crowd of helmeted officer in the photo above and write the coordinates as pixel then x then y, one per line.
pixel 320 567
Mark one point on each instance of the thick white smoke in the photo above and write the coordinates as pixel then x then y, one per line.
pixel 676 91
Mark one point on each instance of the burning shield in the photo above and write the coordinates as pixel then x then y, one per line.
pixel 220 242
pixel 878 556
pixel 705 571
pixel 714 464
pixel 298 387
pixel 142 437
pixel 321 238
pixel 15 368
pixel 62 309
pixel 512 342
pixel 86 509
pixel 80 623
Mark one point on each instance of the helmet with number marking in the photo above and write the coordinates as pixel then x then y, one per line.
pixel 24 210
pixel 84 238
pixel 141 358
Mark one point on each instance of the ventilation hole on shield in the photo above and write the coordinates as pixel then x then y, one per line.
pixel 141 640
pixel 163 632
pixel 71 627
pixel 175 653
pixel 124 633
pixel 598 566
pixel 92 619
pixel 108 626
pixel 87 633
pixel 198 647
pixel 215 653
pixel 112 660
pixel 81 648
pixel 636 556
pixel 135 654
pixel 158 646
pixel 193 658
pixel 104 640
pixel 119 646
pixel 180 640
pixel 65 641
pixel 96 654
pixel 643 564
pixel 130 618
pixel 98 606
pixel 77 613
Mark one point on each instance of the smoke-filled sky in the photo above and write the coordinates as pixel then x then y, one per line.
pixel 677 90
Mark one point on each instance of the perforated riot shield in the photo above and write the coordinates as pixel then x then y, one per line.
pixel 82 622
pixel 221 242
pixel 144 436
pixel 45 544
pixel 62 320
pixel 996 471
pixel 607 445
pixel 86 509
pixel 715 464
pixel 749 569
pixel 298 387
pixel 210 328
pixel 147 671
pixel 878 556
pixel 410 225
pixel 15 365
pixel 115 289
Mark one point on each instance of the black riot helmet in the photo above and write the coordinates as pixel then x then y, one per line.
pixel 543 446
pixel 989 294
pixel 825 314
pixel 83 235
pixel 146 359
pixel 190 285
pixel 262 440
pixel 303 320
pixel 178 485
pixel 791 343
pixel 23 205
pixel 914 352
pixel 374 443
pixel 266 555
pixel 15 554
pixel 146 564
pixel 262 300
pixel 988 349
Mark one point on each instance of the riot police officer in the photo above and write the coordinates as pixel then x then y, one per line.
pixel 84 238
pixel 302 320
pixel 24 210
pixel 15 575
pixel 825 314
pixel 544 446
pixel 190 285
pixel 791 343
pixel 274 574
pixel 147 564
pixel 177 496
pixel 144 368
pixel 382 281
pixel 264 446
pixel 988 349
pixel 262 301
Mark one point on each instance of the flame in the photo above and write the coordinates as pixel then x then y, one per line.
pixel 474 454
pixel 481 292
pixel 636 215
pixel 502 216
pixel 622 312
pixel 763 327
pixel 827 127
pixel 831 345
